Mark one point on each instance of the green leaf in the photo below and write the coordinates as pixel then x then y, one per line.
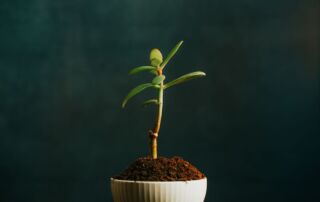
pixel 142 68
pixel 135 91
pixel 151 101
pixel 153 72
pixel 158 79
pixel 171 54
pixel 184 78
pixel 155 57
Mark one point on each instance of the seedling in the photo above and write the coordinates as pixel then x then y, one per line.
pixel 157 66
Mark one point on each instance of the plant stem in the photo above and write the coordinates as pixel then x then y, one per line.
pixel 160 106
pixel 155 132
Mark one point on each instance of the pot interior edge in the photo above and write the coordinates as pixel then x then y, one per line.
pixel 157 182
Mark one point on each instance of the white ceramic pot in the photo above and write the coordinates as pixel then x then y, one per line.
pixel 158 191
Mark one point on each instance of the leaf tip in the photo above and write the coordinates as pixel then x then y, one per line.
pixel 124 103
pixel 201 73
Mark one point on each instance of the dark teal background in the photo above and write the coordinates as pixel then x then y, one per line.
pixel 252 125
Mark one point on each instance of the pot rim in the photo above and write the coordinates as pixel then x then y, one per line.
pixel 156 182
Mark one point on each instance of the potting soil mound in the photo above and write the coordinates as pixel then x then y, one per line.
pixel 161 169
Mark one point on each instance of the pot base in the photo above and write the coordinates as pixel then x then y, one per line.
pixel 158 191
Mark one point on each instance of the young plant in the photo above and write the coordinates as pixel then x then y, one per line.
pixel 157 66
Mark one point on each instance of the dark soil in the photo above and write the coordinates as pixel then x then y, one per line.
pixel 161 169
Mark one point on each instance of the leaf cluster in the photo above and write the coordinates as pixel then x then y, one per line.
pixel 157 64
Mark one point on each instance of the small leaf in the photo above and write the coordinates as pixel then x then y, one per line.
pixel 142 68
pixel 158 79
pixel 135 91
pixel 155 57
pixel 184 78
pixel 148 102
pixel 171 54
pixel 153 72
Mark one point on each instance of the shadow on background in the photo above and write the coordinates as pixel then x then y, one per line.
pixel 252 125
